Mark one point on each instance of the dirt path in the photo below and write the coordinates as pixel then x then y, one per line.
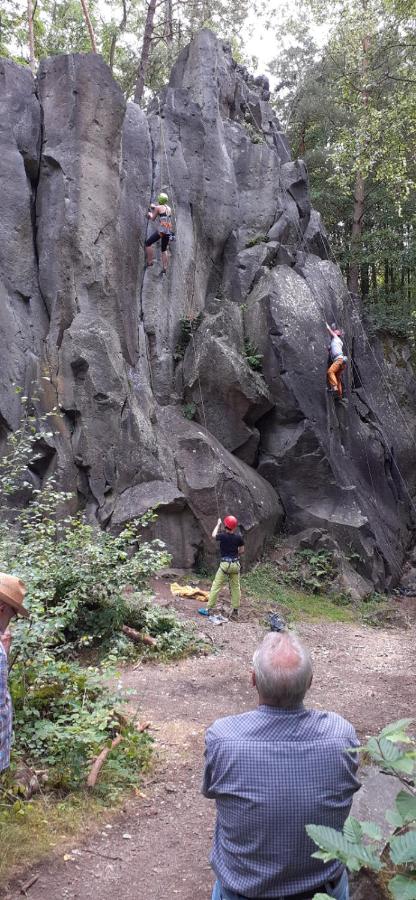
pixel 159 847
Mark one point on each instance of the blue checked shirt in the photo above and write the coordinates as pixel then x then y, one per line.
pixel 271 772
pixel 5 712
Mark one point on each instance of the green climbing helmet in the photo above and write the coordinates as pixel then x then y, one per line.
pixel 162 199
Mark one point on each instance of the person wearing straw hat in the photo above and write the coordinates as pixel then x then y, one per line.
pixel 12 593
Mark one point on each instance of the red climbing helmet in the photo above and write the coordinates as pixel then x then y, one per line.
pixel 230 522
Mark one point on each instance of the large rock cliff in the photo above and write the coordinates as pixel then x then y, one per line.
pixel 105 339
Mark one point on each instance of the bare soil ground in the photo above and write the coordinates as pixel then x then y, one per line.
pixel 159 846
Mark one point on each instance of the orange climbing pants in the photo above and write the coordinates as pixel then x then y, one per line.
pixel 334 375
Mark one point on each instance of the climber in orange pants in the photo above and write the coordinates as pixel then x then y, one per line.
pixel 334 376
pixel 337 361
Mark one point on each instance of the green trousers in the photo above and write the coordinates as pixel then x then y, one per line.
pixel 226 572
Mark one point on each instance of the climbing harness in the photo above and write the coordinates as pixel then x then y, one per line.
pixel 165 222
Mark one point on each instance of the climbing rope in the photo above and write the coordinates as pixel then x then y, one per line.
pixel 188 308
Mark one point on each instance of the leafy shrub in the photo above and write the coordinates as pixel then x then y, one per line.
pixel 361 844
pixel 174 638
pixel 77 578
pixel 311 569
pixel 64 716
pixel 252 356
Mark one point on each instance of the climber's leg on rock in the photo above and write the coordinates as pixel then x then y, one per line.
pixel 165 255
pixel 334 376
pixel 148 248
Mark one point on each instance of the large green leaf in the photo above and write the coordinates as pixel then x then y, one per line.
pixel 403 848
pixel 388 750
pixel 406 806
pixel 396 731
pixel 334 845
pixel 394 818
pixel 352 830
pixel 403 887
pixel 371 830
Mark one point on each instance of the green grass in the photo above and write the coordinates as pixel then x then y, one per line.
pixel 263 585
pixel 42 825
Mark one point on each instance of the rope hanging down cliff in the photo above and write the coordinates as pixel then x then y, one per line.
pixel 188 309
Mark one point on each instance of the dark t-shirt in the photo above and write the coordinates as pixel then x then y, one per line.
pixel 229 544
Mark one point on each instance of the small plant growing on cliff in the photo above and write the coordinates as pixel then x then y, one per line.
pixel 258 239
pixel 187 327
pixel 255 134
pixel 253 358
pixel 189 410
pixel 361 844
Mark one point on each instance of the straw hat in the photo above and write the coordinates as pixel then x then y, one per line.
pixel 12 592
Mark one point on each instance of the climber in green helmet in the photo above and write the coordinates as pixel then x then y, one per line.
pixel 163 213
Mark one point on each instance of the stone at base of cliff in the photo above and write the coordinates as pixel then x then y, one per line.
pixel 214 483
pixel 176 526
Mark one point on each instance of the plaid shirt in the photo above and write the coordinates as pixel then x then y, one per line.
pixel 5 712
pixel 271 772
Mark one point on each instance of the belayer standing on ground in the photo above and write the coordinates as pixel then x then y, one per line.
pixel 231 547
pixel 337 361
pixel 163 213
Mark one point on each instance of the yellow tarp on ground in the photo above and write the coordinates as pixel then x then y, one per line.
pixel 185 590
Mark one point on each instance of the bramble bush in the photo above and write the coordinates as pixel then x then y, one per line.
pixel 76 577
pixel 362 844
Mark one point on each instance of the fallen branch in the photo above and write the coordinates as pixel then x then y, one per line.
pixel 99 762
pixel 26 887
pixel 138 637
pixel 143 727
pixel 102 855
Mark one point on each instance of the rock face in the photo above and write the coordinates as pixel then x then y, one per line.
pixel 158 381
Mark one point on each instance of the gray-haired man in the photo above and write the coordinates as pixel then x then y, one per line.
pixel 271 772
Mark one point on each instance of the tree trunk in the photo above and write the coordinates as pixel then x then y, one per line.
pixel 89 25
pixel 374 280
pixel 145 54
pixel 31 36
pixel 365 283
pixel 359 191
pixel 302 145
pixel 116 35
pixel 168 23
pixel 356 232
